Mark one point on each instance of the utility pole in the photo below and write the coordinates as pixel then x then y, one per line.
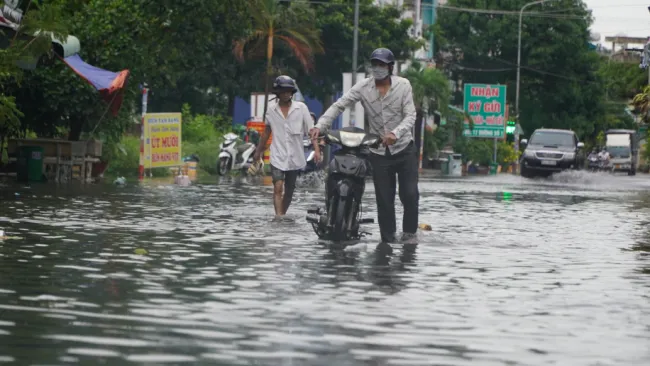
pixel 145 94
pixel 518 126
pixel 355 52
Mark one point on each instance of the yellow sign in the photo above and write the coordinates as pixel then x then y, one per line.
pixel 162 140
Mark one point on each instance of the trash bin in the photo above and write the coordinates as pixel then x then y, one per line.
pixel 493 168
pixel 444 167
pixel 30 164
pixel 455 165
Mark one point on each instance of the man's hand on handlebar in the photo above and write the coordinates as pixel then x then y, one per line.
pixel 314 133
pixel 389 139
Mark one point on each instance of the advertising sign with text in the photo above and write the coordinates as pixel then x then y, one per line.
pixel 162 140
pixel 486 104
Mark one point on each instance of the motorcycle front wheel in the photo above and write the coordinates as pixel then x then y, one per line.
pixel 224 166
pixel 342 218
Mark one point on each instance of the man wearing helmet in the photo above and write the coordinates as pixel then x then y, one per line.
pixel 388 102
pixel 289 120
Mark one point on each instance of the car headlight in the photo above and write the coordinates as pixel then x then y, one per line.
pixel 529 154
pixel 569 156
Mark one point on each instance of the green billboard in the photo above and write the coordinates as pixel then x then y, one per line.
pixel 486 104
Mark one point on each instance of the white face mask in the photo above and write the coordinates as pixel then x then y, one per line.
pixel 379 73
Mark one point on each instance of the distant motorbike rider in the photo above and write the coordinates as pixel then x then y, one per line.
pixel 603 157
pixel 289 121
pixel 604 154
pixel 593 155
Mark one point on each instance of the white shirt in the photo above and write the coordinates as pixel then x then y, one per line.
pixel 287 151
pixel 394 112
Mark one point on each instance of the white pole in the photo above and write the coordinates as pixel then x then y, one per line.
pixel 145 93
pixel 355 51
pixel 517 128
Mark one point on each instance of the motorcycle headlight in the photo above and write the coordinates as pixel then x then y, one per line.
pixel 350 139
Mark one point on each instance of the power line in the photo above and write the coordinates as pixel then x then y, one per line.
pixel 490 11
pixel 543 14
pixel 473 69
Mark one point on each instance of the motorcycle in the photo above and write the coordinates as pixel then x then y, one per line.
pixel 344 186
pixel 593 164
pixel 233 156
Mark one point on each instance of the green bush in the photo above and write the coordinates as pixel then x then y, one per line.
pixel 202 135
pixel 123 157
pixel 481 151
pixel 645 152
pixel 506 154
pixel 207 151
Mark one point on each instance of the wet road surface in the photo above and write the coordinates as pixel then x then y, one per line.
pixel 515 272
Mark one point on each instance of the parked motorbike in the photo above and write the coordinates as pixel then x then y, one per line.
pixel 344 186
pixel 233 155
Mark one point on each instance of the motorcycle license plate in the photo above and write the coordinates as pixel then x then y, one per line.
pixel 549 162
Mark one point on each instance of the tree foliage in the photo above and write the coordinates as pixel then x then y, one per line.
pixel 176 47
pixel 378 27
pixel 183 51
pixel 622 80
pixel 561 86
pixel 25 46
pixel 291 25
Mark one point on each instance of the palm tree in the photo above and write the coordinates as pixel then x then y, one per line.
pixel 292 25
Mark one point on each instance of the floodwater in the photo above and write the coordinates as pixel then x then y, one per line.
pixel 514 272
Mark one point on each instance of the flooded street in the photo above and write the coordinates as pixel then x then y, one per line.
pixel 515 272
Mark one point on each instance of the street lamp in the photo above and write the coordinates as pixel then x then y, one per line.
pixel 355 52
pixel 518 126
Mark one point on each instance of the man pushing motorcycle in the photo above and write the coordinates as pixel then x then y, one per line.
pixel 289 120
pixel 388 102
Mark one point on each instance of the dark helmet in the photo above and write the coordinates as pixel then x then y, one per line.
pixel 284 82
pixel 384 55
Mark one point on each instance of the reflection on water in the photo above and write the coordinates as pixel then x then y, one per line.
pixel 515 271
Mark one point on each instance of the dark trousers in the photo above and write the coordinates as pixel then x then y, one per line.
pixel 385 168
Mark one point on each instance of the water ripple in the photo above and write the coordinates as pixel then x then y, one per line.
pixel 516 271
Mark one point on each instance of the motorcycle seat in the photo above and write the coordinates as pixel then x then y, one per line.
pixel 243 147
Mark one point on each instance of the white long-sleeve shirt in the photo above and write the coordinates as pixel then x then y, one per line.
pixel 394 112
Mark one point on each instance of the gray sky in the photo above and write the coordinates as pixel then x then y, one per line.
pixel 629 17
